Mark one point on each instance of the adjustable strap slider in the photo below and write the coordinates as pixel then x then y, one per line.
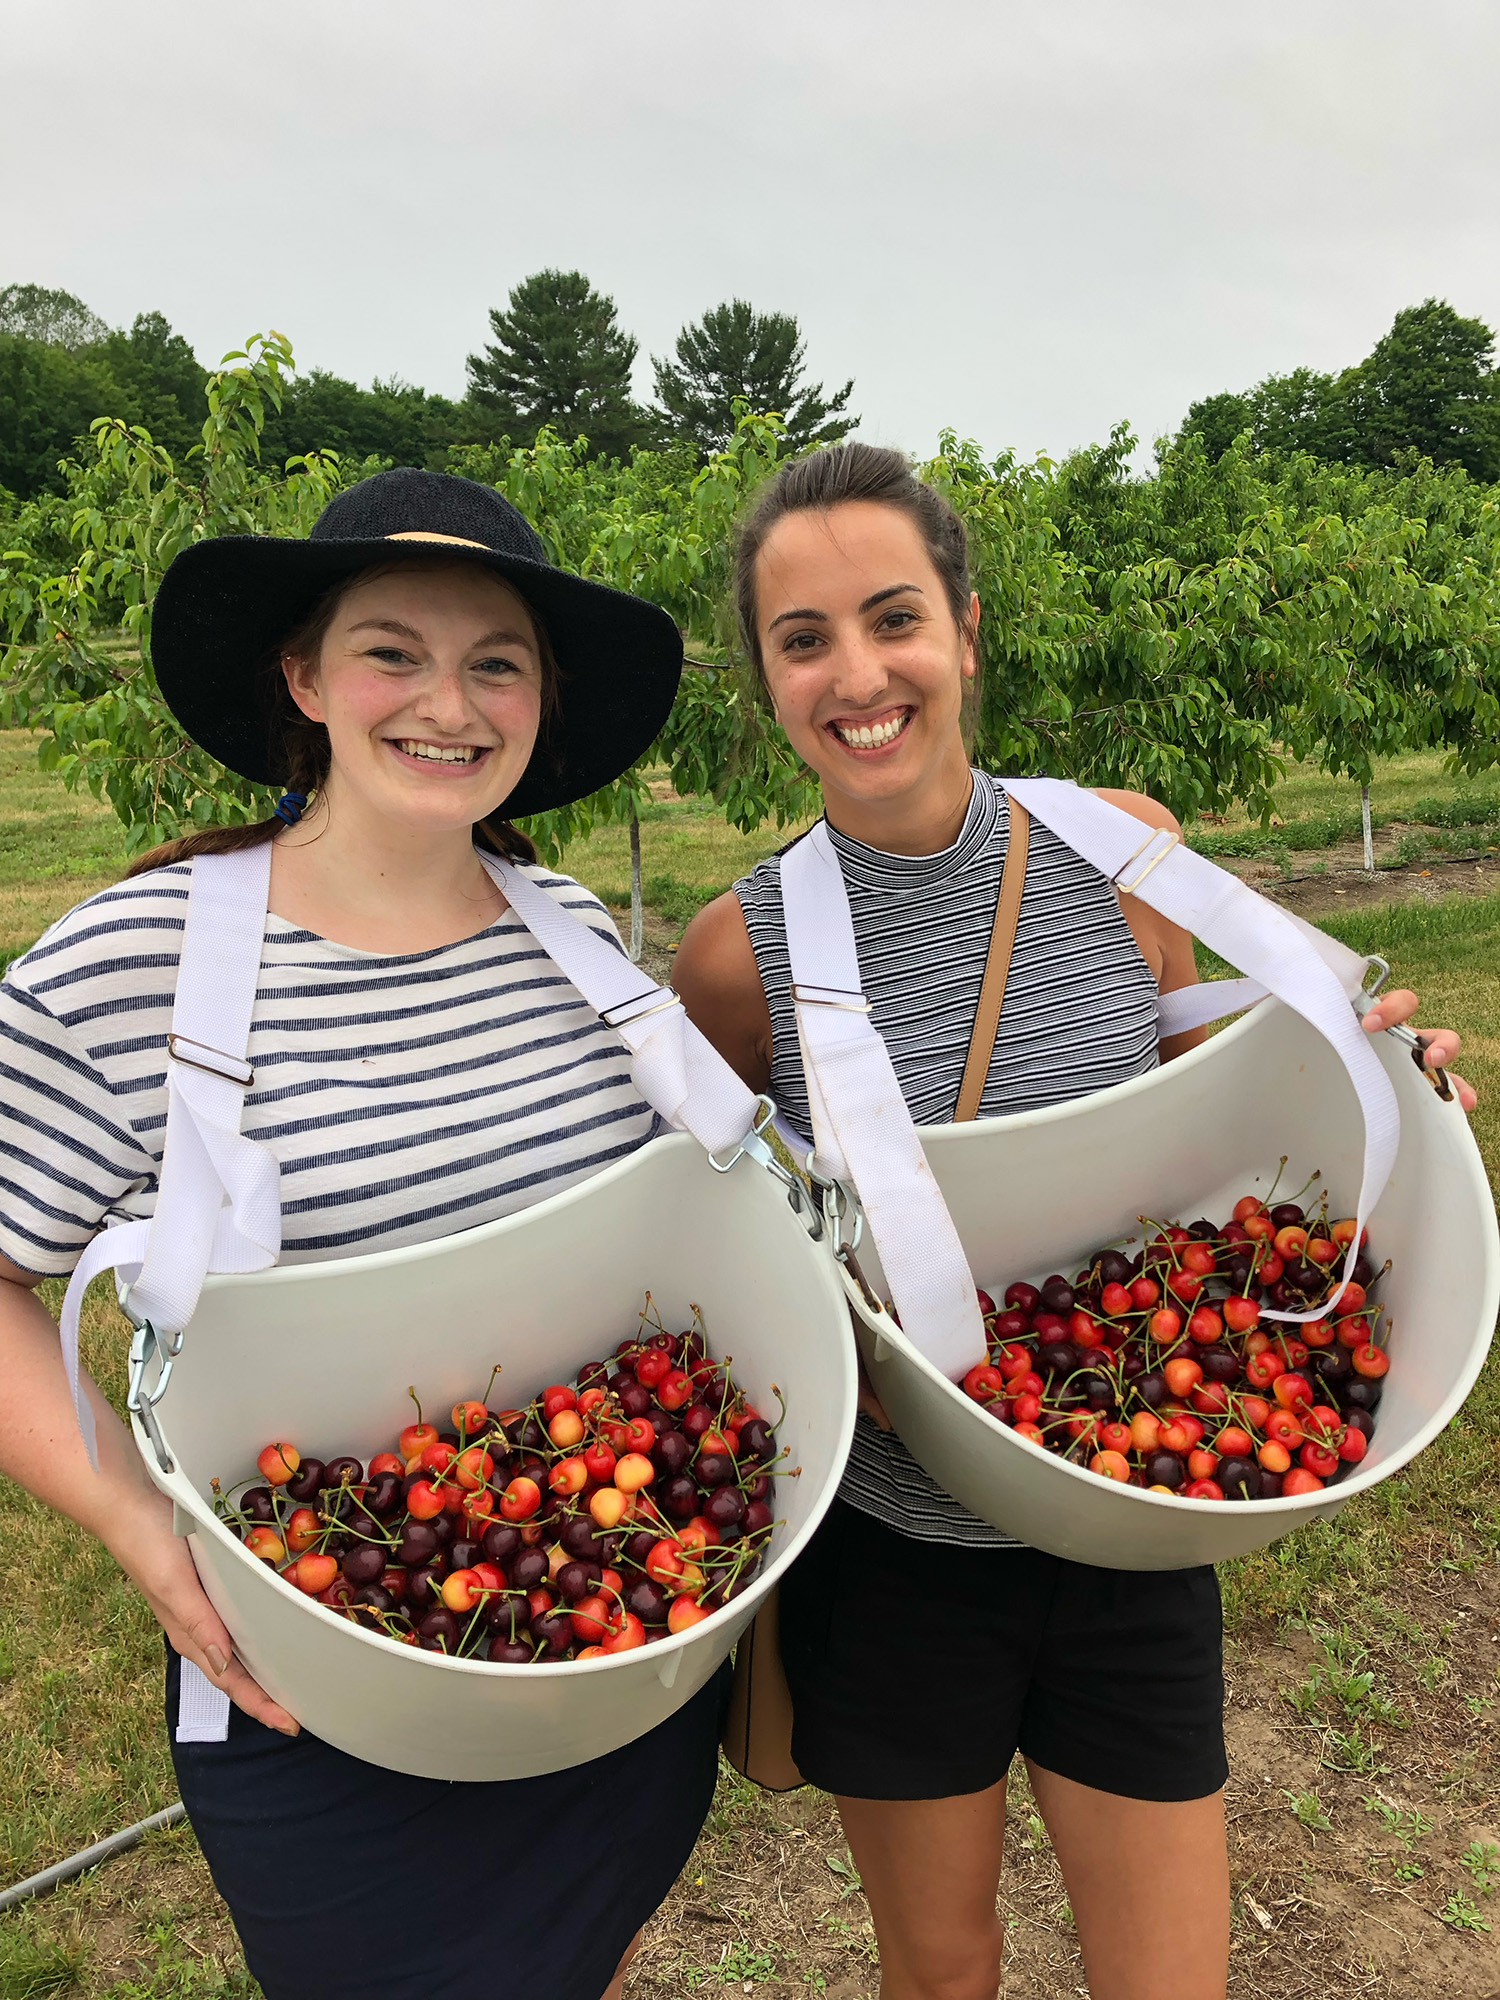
pixel 1157 833
pixel 231 1069
pixel 848 1000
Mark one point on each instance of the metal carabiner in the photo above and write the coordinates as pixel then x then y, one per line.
pixel 756 1147
pixel 1409 1038
pixel 147 1346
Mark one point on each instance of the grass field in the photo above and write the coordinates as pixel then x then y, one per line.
pixel 1363 1658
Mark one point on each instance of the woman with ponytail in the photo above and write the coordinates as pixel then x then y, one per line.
pixel 411 676
pixel 923 1647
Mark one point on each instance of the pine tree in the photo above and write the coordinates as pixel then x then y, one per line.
pixel 559 358
pixel 735 353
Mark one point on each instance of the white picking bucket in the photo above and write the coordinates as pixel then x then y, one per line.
pixel 1035 1193
pixel 321 1354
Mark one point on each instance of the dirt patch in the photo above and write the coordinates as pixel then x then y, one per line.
pixel 1349 888
pixel 1364 1853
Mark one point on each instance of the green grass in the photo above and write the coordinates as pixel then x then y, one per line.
pixel 688 856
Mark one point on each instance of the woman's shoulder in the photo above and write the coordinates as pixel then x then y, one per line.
pixel 110 931
pixel 570 894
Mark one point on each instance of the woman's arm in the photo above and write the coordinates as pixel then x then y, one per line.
pixel 719 981
pixel 41 1449
pixel 1168 950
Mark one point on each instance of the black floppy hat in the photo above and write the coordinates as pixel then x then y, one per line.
pixel 225 605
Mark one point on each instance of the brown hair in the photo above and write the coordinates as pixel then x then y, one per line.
pixel 826 479
pixel 302 749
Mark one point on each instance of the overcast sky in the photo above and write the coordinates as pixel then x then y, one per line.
pixel 1025 222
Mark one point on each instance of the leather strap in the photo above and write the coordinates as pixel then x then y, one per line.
pixel 996 967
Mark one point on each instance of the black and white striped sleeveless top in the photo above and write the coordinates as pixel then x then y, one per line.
pixel 405 1097
pixel 1079 1015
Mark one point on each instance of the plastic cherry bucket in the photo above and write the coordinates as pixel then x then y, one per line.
pixel 322 1353
pixel 1035 1193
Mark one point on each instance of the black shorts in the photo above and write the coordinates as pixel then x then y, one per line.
pixel 356 1883
pixel 918 1669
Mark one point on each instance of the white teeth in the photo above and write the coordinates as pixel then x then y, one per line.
pixel 865 738
pixel 438 753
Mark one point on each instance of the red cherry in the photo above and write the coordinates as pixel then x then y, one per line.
pixel 986 1304
pixel 1203 1489
pixel 1293 1392
pixel 1319 1459
pixel 1205 1326
pixel 1353 1446
pixel 1144 1293
pixel 424 1502
pixel 1184 1285
pixel 1246 1206
pixel 558 1397
pixel 1370 1361
pixel 1298 1481
pixel 1116 1300
pixel 984 1383
pixel 1240 1315
pixel 520 1500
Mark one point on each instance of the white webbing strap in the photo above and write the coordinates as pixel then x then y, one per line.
pixel 675 1068
pixel 862 1129
pixel 861 1126
pixel 1308 972
pixel 218 1204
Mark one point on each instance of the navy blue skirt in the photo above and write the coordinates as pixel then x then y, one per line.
pixel 355 1883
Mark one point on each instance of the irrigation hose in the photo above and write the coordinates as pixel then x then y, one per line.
pixel 90 1857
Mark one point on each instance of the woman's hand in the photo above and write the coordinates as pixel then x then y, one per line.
pixel 42 1450
pixel 1393 1010
pixel 158 1562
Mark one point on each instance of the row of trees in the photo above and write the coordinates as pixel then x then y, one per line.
pixel 1182 633
pixel 557 360
pixel 1430 386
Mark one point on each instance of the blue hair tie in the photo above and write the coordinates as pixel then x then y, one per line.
pixel 290 808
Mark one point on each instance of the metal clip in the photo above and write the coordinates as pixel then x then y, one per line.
pixel 848 1000
pixel 1156 833
pixel 621 1016
pixel 147 1346
pixel 1409 1038
pixel 754 1146
pixel 240 1073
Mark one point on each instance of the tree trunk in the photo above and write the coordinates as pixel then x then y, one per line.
pixel 1364 815
pixel 637 916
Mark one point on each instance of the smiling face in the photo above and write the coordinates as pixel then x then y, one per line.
pixel 866 665
pixel 429 681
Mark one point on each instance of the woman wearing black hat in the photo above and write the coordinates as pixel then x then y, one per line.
pixel 420 1066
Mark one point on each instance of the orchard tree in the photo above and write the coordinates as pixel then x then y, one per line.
pixel 58 318
pixel 559 360
pixel 737 356
pixel 1430 386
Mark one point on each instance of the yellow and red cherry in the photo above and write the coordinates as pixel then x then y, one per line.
pixel 1205 1326
pixel 566 1429
pixel 568 1476
pixel 1183 1375
pixel 687 1611
pixel 414 1440
pixel 1370 1361
pixel 1293 1391
pixel 469 1418
pixel 267 1544
pixel 1165 1326
pixel 1111 1465
pixel 608 1506
pixel 313 1573
pixel 424 1500
pixel 1144 1293
pixel 278 1463
pixel 302 1532
pixel 632 1633
pixel 474 1468
pixel 520 1500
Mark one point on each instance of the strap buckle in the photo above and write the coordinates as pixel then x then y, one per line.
pixel 149 1345
pixel 1409 1038
pixel 848 1000
pixel 638 1008
pixel 238 1072
pixel 755 1146
pixel 1157 833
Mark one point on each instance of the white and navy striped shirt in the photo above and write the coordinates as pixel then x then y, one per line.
pixel 405 1097
pixel 1079 1015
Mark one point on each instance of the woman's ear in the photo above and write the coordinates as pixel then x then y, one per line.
pixel 302 684
pixel 971 638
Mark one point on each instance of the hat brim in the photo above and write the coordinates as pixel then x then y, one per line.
pixel 225 605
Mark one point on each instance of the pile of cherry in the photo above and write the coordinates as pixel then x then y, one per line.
pixel 611 1511
pixel 1158 1370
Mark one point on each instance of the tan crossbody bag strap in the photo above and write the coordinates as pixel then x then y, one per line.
pixel 996 967
pixel 757 1735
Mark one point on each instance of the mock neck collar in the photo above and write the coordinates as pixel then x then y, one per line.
pixel 871 868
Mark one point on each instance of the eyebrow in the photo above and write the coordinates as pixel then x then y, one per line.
pixel 502 635
pixel 878 597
